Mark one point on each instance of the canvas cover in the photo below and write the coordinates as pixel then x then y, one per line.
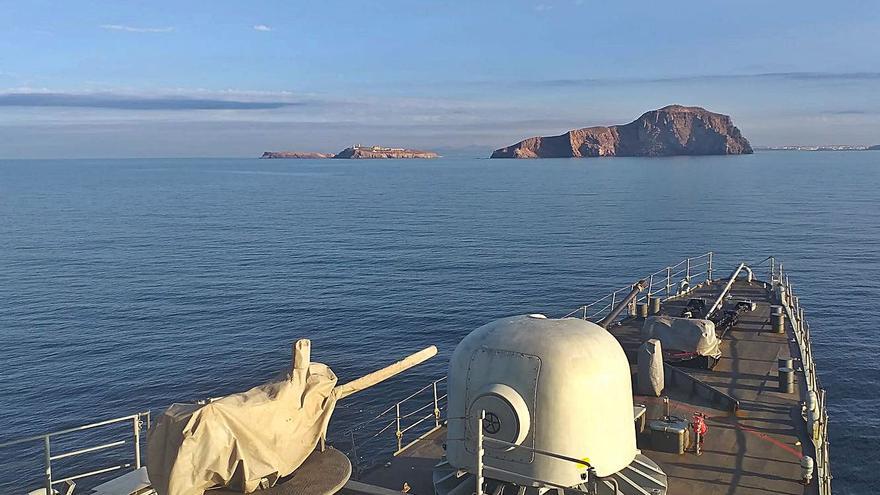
pixel 651 378
pixel 266 432
pixel 683 334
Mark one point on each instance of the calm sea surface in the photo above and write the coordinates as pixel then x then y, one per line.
pixel 128 284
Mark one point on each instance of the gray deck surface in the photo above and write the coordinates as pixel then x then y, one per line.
pixel 756 451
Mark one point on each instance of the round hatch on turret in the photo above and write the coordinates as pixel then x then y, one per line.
pixel 507 415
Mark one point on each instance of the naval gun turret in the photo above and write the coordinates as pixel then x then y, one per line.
pixel 555 398
pixel 270 438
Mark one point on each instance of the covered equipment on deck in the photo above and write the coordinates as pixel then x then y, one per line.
pixel 240 440
pixel 651 378
pixel 252 439
pixel 684 339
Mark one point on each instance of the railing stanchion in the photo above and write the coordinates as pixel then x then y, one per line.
pixel 48 452
pixel 479 449
pixel 399 433
pixel 688 272
pixel 613 301
pixel 668 280
pixel 436 406
pixel 136 423
pixel 709 268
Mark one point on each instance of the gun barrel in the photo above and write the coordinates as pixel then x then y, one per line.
pixel 385 373
pixel 638 287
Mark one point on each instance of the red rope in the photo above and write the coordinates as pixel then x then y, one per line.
pixel 723 418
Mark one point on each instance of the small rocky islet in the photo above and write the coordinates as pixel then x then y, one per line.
pixel 354 152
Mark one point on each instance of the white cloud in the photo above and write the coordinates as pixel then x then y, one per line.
pixel 262 27
pixel 543 7
pixel 134 29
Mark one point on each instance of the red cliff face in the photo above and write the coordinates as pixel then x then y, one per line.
pixel 672 130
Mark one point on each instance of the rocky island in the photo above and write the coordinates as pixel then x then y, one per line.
pixel 671 130
pixel 355 152
pixel 304 155
pixel 876 147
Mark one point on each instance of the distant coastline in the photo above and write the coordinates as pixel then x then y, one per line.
pixel 354 152
pixel 832 147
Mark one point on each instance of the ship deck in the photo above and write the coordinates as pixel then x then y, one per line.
pixel 754 450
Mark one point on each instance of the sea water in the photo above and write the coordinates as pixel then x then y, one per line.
pixel 126 285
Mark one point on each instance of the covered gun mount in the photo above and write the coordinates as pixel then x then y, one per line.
pixel 253 439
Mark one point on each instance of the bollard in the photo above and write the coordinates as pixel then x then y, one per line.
pixel 654 305
pixel 777 319
pixel 786 380
pixel 813 415
pixel 806 469
pixel 642 310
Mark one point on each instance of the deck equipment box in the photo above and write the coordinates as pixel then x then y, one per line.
pixel 669 435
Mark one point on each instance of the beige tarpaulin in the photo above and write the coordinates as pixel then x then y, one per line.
pixel 683 334
pixel 266 432
pixel 651 376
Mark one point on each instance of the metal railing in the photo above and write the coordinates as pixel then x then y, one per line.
pixel 138 422
pixel 409 420
pixel 675 280
pixel 817 426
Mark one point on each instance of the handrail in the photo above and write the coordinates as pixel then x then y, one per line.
pixel 138 421
pixel 400 421
pixel 817 426
pixel 662 281
pixel 73 429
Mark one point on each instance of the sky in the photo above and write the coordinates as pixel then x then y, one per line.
pixel 234 78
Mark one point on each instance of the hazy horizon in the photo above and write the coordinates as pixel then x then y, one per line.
pixel 231 79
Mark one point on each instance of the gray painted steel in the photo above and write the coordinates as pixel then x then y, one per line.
pixel 755 450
